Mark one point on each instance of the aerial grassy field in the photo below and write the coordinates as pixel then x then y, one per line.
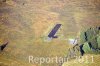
pixel 25 24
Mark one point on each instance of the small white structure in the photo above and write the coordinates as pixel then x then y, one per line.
pixel 73 41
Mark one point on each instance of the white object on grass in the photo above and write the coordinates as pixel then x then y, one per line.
pixel 73 41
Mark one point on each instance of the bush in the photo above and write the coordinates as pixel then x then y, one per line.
pixel 86 48
pixel 98 41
